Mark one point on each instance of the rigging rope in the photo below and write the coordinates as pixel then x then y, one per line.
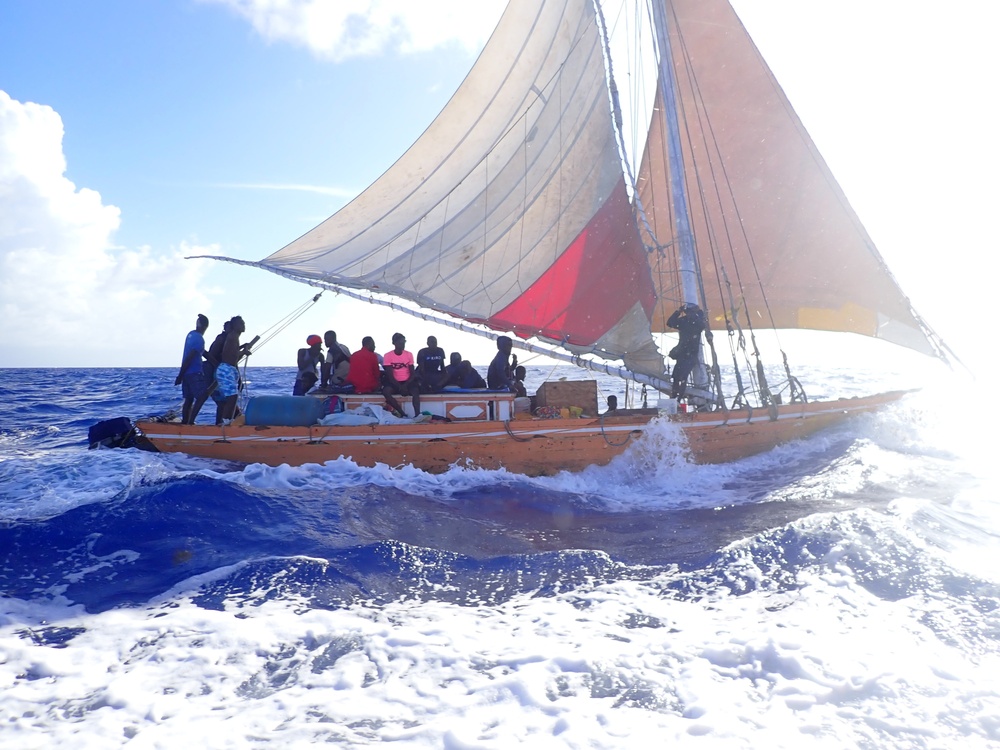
pixel 619 128
pixel 265 338
pixel 710 145
pixel 286 321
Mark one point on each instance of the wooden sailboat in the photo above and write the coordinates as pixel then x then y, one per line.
pixel 518 211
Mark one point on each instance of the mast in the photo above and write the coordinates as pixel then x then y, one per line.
pixel 686 260
pixel 685 239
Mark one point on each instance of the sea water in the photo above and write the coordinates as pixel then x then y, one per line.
pixel 838 592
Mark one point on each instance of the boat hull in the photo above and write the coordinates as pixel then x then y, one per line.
pixel 719 437
pixel 533 447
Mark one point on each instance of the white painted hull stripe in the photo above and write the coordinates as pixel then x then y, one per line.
pixel 733 421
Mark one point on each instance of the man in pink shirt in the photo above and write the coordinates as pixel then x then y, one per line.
pixel 398 366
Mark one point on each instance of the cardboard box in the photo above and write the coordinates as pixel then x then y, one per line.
pixel 563 394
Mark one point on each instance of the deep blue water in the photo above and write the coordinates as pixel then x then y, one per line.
pixel 890 503
pixel 469 529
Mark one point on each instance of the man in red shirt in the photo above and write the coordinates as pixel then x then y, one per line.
pixel 398 366
pixel 365 373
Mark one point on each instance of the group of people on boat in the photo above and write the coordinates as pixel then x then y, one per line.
pixel 398 372
pixel 213 372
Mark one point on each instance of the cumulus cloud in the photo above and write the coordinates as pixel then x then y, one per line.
pixel 341 29
pixel 62 280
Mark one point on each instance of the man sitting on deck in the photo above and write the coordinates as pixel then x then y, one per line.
pixel 453 369
pixel 500 377
pixel 365 372
pixel 398 378
pixel 519 375
pixel 468 377
pixel 309 361
pixel 338 357
pixel 430 367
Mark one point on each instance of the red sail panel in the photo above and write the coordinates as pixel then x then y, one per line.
pixel 580 297
pixel 766 212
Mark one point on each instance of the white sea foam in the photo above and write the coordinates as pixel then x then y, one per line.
pixel 623 664
pixel 53 482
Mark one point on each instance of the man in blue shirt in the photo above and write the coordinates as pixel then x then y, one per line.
pixel 191 378
pixel 430 367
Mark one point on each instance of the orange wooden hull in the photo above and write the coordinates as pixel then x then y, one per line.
pixel 535 447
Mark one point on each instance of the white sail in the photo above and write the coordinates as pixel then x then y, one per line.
pixel 511 208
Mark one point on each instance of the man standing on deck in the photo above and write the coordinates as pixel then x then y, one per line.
pixel 226 374
pixel 192 377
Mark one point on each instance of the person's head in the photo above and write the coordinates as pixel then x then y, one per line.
pixel 202 325
pixel 612 402
pixel 465 367
pixel 504 344
pixel 368 343
pixel 314 342
pixel 520 372
pixel 237 324
pixel 398 341
pixel 456 358
pixel 432 342
pixel 330 337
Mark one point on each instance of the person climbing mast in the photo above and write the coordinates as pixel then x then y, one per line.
pixel 689 320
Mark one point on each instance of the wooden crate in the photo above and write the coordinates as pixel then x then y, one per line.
pixel 565 393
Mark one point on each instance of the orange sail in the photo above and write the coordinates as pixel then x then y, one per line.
pixel 777 241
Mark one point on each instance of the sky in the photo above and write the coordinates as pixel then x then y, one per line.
pixel 134 135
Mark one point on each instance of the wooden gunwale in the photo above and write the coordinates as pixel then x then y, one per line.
pixel 527 446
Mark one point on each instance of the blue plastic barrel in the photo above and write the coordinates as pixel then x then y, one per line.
pixel 285 411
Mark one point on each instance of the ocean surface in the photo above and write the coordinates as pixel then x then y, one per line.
pixel 840 592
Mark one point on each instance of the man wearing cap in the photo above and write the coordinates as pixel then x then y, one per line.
pixel 690 322
pixel 310 359
pixel 191 377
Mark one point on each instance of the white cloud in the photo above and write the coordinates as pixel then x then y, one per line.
pixel 68 296
pixel 336 192
pixel 341 29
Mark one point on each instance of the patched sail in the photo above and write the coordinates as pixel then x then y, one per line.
pixel 778 243
pixel 511 209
